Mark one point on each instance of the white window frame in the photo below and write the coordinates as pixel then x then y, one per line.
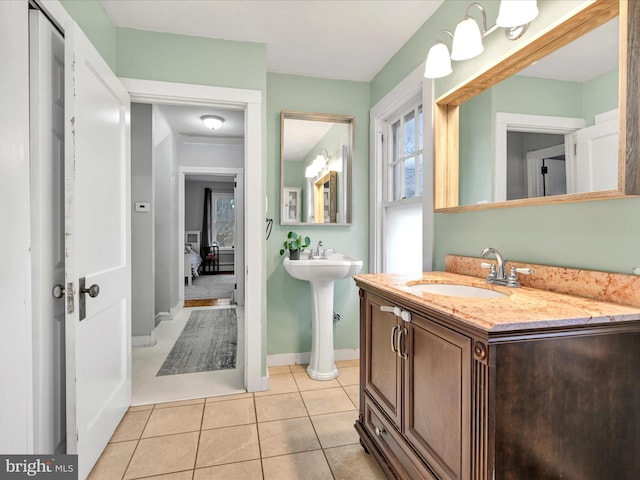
pixel 413 85
pixel 392 183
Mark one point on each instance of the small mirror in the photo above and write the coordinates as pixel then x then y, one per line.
pixel 316 161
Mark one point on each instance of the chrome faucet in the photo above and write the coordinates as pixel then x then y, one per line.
pixel 501 272
pixel 498 275
pixel 317 252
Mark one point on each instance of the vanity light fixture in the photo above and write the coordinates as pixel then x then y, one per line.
pixel 514 17
pixel 212 121
pixel 317 165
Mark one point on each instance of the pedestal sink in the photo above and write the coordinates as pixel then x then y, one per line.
pixel 321 273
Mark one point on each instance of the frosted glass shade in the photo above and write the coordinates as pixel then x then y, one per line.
pixel 514 13
pixel 438 62
pixel 212 121
pixel 467 40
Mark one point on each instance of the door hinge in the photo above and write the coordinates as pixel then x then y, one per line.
pixel 544 170
pixel 70 297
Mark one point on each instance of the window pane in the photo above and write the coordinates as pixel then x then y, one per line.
pixel 420 128
pixel 410 177
pixel 409 133
pixel 420 178
pixel 224 234
pixel 396 175
pixel 395 131
pixel 224 210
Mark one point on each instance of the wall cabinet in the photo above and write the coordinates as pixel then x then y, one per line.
pixel 442 400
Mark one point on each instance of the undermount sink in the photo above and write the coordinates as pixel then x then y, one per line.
pixel 321 273
pixel 455 290
pixel 335 266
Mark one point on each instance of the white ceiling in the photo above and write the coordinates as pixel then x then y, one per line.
pixel 185 120
pixel 339 39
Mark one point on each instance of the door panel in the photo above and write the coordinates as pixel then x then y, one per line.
pixel 382 365
pixel 597 154
pixel 46 84
pixel 97 223
pixel 437 397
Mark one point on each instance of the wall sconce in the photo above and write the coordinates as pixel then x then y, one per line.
pixel 317 164
pixel 514 17
pixel 212 121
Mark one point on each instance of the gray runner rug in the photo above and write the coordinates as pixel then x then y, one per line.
pixel 207 342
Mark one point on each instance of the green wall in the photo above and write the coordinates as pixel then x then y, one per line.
pixel 93 20
pixel 601 235
pixel 288 299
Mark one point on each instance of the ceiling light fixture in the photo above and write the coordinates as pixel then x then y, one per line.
pixel 212 121
pixel 317 165
pixel 514 17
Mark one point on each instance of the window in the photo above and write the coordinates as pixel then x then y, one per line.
pixel 404 157
pixel 224 219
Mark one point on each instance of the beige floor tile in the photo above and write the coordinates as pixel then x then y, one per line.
pixel 113 461
pixel 139 408
pixel 194 401
pixel 167 421
pixel 353 392
pixel 349 376
pixel 131 426
pixel 306 383
pixel 160 455
pixel 251 470
pixel 332 400
pixel 229 413
pixel 280 407
pixel 348 363
pixel 186 475
pixel 287 436
pixel 300 367
pixel 228 445
pixel 283 383
pixel 336 429
pixel 279 370
pixel 352 463
pixel 306 465
pixel 224 398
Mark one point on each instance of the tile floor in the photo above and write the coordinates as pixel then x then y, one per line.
pixel 300 429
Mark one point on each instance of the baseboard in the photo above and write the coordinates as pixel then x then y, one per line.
pixel 303 358
pixel 174 311
pixel 161 317
pixel 145 340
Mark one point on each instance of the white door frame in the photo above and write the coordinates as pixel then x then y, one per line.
pixel 237 173
pixel 168 93
pixel 519 122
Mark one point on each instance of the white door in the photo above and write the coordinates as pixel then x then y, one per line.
pixel 238 258
pixel 597 157
pixel 97 249
pixel 46 85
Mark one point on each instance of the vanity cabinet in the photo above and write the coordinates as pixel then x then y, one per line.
pixel 443 399
pixel 415 390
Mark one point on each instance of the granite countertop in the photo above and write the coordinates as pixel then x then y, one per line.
pixel 523 309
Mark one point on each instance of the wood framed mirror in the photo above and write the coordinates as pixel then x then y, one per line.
pixel 450 179
pixel 316 160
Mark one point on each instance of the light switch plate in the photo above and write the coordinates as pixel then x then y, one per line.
pixel 143 207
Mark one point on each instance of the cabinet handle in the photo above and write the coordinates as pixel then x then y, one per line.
pixel 379 431
pixel 395 310
pixel 403 355
pixel 394 330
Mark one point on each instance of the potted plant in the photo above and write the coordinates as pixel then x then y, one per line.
pixel 294 243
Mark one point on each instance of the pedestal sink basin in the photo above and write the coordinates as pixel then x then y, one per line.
pixel 321 273
pixel 455 290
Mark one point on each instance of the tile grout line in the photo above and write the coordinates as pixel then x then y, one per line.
pixel 255 413
pixel 124 473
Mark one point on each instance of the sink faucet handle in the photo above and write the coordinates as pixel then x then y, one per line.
pixel 487 265
pixel 491 267
pixel 524 271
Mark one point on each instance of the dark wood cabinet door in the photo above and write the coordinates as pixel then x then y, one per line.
pixel 437 393
pixel 382 364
